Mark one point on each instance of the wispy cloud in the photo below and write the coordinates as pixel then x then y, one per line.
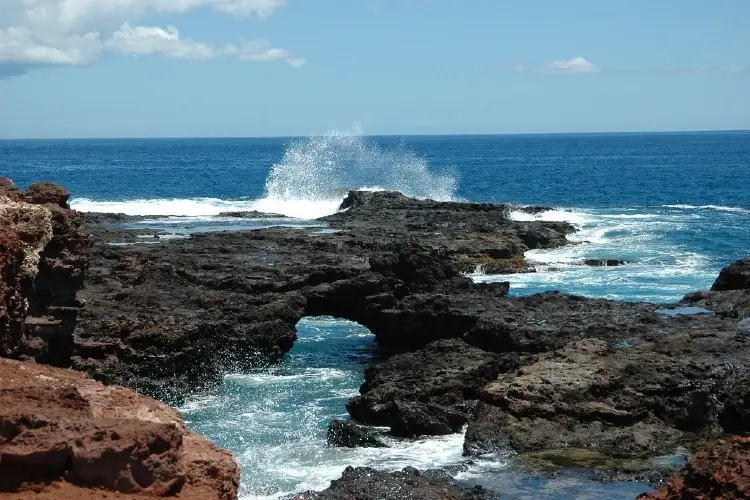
pixel 582 66
pixel 39 33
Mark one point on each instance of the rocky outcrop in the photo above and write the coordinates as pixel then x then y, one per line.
pixel 65 436
pixel 604 262
pixel 735 276
pixel 170 317
pixel 40 282
pixel 364 483
pixel 721 472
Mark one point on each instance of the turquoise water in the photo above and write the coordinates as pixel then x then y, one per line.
pixel 676 206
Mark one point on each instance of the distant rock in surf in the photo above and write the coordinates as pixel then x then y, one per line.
pixel 347 434
pixel 604 262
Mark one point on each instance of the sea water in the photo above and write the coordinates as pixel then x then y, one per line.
pixel 675 206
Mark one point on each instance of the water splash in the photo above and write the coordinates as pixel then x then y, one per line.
pixel 318 171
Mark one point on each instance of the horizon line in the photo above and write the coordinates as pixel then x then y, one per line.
pixel 447 134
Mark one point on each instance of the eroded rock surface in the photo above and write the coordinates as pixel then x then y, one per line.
pixel 64 436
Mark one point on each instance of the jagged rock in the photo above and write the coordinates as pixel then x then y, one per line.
pixel 736 276
pixel 350 435
pixel 364 483
pixel 62 436
pixel 721 472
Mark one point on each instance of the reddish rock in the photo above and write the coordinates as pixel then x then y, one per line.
pixel 721 472
pixel 10 190
pixel 38 297
pixel 64 436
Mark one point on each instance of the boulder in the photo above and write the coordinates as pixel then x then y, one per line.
pixel 41 193
pixel 604 262
pixel 736 276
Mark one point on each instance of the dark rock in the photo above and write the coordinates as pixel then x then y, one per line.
pixel 41 193
pixel 350 435
pixel 736 276
pixel 431 391
pixel 604 262
pixel 170 317
pixel 720 472
pixel 368 484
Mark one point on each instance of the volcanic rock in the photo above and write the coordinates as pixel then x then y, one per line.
pixel 604 262
pixel 364 483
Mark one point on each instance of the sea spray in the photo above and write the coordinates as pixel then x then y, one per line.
pixel 318 171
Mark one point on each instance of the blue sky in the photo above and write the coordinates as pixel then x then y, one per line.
pixel 165 68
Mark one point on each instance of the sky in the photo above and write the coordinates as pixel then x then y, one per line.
pixel 228 68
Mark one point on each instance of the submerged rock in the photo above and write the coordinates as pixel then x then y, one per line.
pixel 62 435
pixel 350 435
pixel 364 483
pixel 720 472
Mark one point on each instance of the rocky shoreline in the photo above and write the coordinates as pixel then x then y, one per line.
pixel 548 372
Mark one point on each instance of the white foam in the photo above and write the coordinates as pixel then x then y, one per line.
pixel 551 216
pixel 720 208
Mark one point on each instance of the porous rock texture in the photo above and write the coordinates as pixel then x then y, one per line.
pixel 720 472
pixel 363 483
pixel 64 436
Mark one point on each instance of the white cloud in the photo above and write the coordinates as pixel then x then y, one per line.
pixel 78 32
pixel 150 40
pixel 296 62
pixel 575 66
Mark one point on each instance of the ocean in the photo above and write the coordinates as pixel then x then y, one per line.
pixel 676 206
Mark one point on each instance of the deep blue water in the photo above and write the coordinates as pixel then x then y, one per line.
pixel 676 206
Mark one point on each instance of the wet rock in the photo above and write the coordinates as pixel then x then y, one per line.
pixel 62 436
pixel 350 435
pixel 252 214
pixel 368 484
pixel 720 472
pixel 604 262
pixel 736 276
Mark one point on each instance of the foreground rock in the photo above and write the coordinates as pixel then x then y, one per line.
pixel 721 472
pixel 364 483
pixel 64 436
